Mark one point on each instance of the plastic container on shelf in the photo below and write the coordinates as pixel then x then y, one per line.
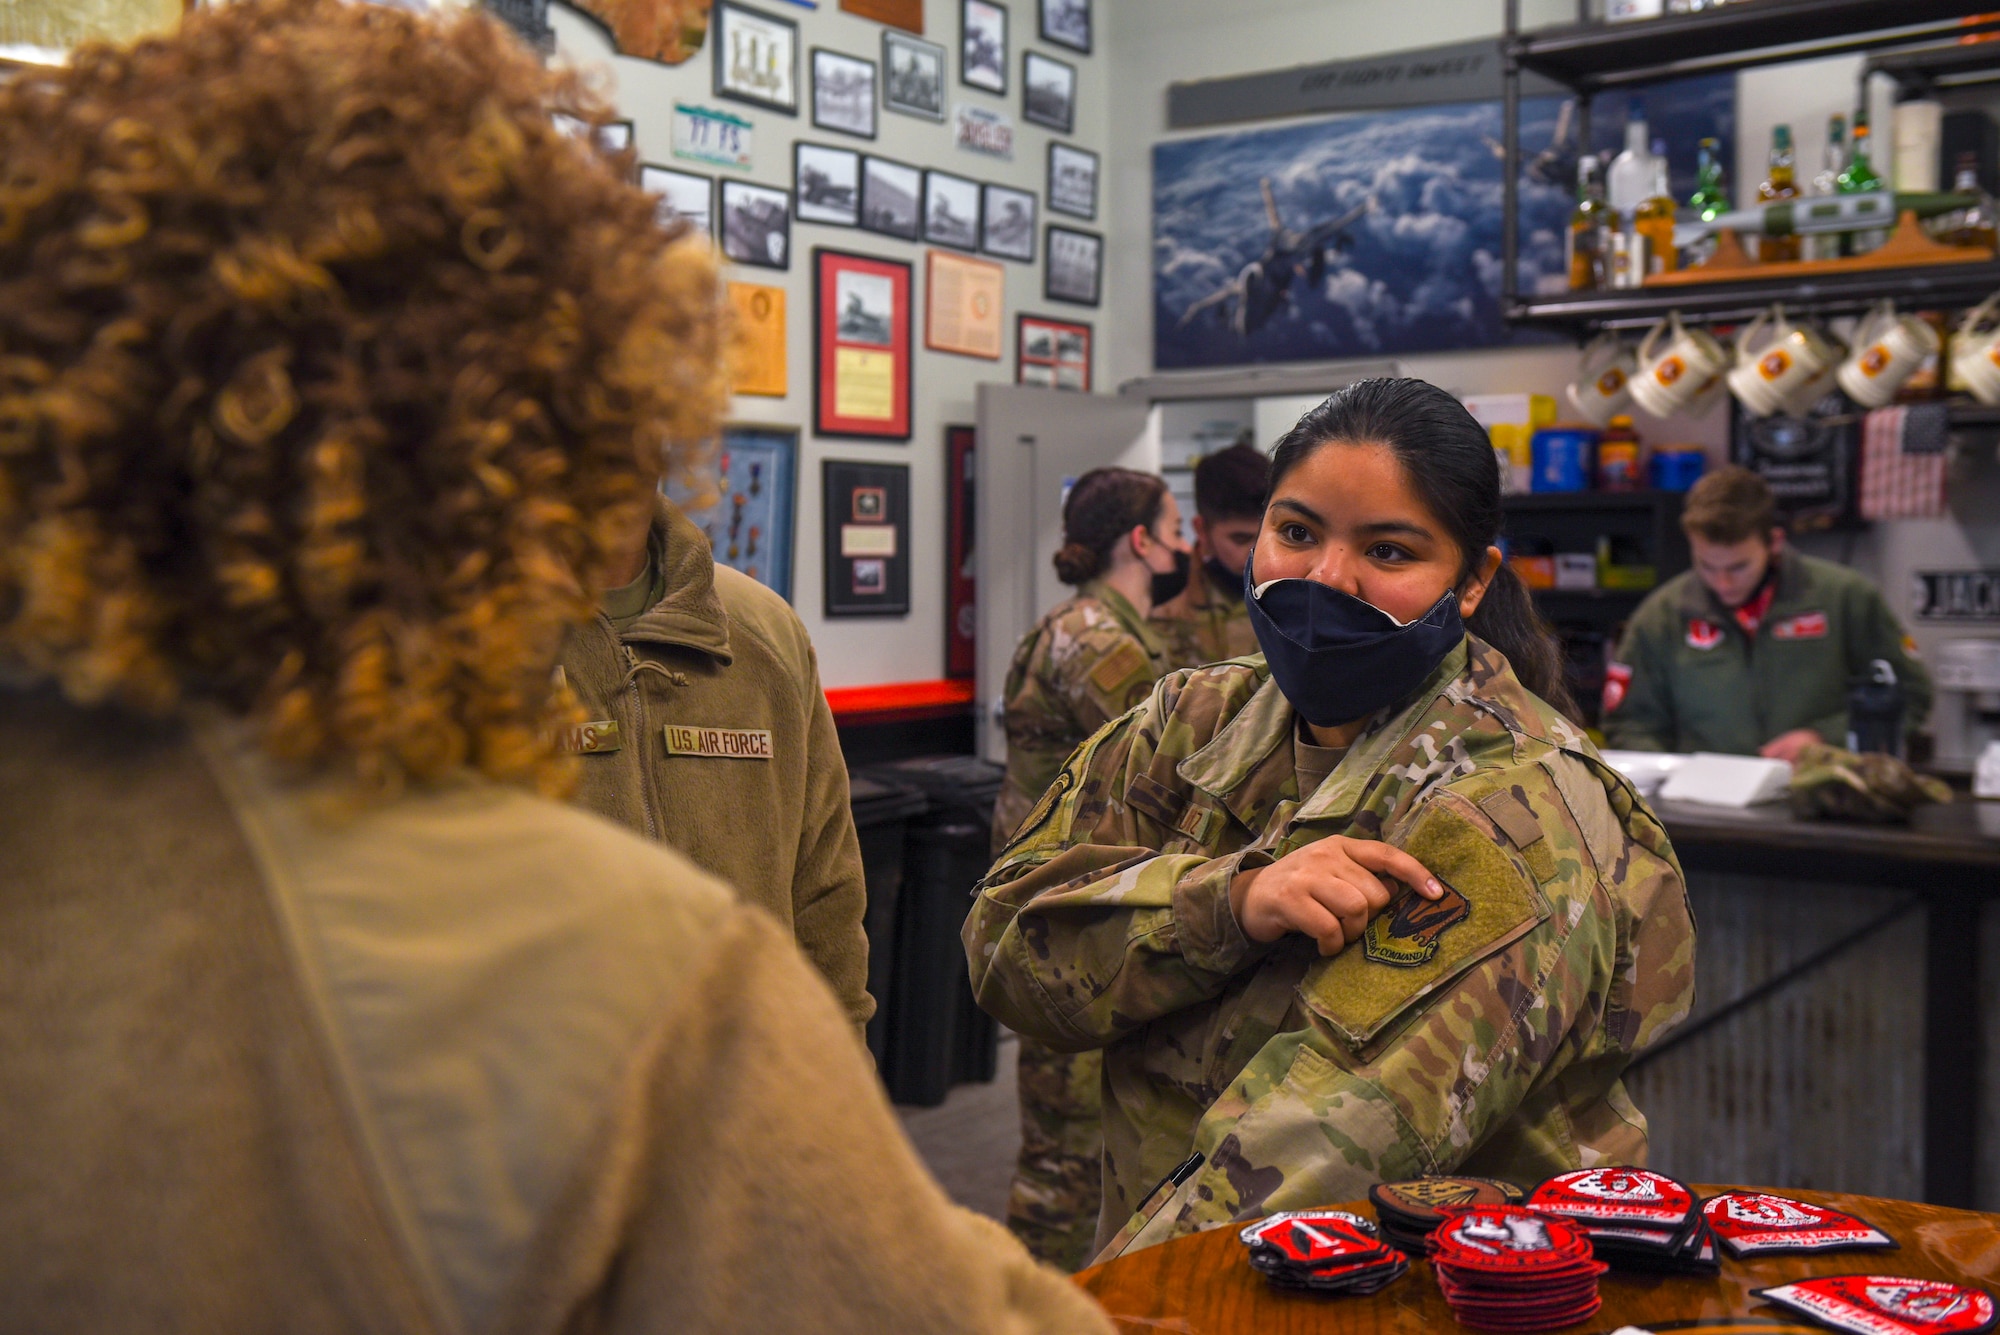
pixel 1564 458
pixel 1618 457
pixel 1677 468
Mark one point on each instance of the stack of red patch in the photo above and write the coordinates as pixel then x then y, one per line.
pixel 1325 1251
pixel 1507 1268
pixel 1635 1219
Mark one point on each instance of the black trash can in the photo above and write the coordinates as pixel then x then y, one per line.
pixel 882 814
pixel 937 1036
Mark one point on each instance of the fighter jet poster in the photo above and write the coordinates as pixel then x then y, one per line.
pixel 1376 233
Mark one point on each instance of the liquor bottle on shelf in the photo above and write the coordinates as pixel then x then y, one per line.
pixel 1778 185
pixel 1710 198
pixel 1973 225
pixel 1654 220
pixel 1826 245
pixel 1589 229
pixel 1859 177
pixel 1630 179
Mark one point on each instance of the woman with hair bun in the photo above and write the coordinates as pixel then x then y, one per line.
pixel 1088 660
pixel 1367 908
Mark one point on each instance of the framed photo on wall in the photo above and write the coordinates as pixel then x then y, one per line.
pixel 756 224
pixel 827 182
pixel 1051 352
pixel 1007 223
pixel 982 51
pixel 684 196
pixel 1073 181
pixel 756 57
pixel 1067 23
pixel 861 346
pixel 963 301
pixel 1048 92
pixel 912 75
pixel 892 198
pixel 865 536
pixel 749 520
pixel 951 211
pixel 843 93
pixel 1075 268
pixel 961 614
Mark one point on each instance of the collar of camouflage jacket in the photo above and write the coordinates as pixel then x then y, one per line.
pixel 1127 616
pixel 1244 745
pixel 691 614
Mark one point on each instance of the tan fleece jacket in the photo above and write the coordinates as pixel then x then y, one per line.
pixel 724 748
pixel 464 1062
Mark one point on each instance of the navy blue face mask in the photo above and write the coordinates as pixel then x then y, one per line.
pixel 1337 658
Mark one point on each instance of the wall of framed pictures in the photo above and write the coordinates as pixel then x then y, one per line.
pixel 796 131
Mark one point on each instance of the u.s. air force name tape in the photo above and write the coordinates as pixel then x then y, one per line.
pixel 718 743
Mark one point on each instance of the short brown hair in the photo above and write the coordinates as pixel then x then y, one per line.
pixel 332 375
pixel 1730 505
pixel 1230 484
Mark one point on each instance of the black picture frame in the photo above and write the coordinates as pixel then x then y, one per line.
pixel 866 564
pixel 1060 281
pixel 748 242
pixel 979 67
pixel 993 202
pixel 1059 27
pixel 909 92
pixel 1037 108
pixel 719 37
pixel 941 187
pixel 874 81
pixel 882 188
pixel 655 178
pixel 1062 193
pixel 811 200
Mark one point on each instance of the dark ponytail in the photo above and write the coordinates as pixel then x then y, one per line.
pixel 1103 506
pixel 1449 461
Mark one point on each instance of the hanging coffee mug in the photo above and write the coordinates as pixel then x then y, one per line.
pixel 1776 373
pixel 1676 366
pixel 1888 349
pixel 1975 352
pixel 1603 385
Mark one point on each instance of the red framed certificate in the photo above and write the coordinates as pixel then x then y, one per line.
pixel 861 346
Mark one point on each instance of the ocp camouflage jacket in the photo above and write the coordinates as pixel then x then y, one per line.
pixel 1484 1033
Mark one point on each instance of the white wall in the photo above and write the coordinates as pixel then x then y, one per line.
pixel 858 651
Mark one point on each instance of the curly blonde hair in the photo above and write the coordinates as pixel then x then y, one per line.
pixel 332 374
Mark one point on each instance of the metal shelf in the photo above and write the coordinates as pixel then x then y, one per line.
pixel 1923 70
pixel 1936 285
pixel 1735 36
pixel 1580 500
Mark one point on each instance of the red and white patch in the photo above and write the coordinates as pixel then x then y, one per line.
pixel 1617 682
pixel 1808 626
pixel 1703 634
pixel 1751 1223
pixel 1314 1237
pixel 1509 1239
pixel 1887 1304
pixel 1615 1196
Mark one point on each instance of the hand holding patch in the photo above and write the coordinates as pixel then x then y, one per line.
pixel 1327 890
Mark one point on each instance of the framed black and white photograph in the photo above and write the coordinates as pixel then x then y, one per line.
pixel 1067 23
pixel 683 196
pixel 1007 223
pixel 982 51
pixel 951 211
pixel 1073 181
pixel 843 93
pixel 1075 266
pixel 1048 92
pixel 892 198
pixel 912 75
pixel 826 184
pixel 756 224
pixel 756 57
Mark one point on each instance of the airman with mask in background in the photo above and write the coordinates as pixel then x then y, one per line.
pixel 1207 622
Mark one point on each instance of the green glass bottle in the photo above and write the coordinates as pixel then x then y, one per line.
pixel 1859 177
pixel 1711 187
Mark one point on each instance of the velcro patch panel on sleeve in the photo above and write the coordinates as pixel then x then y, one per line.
pixel 1119 666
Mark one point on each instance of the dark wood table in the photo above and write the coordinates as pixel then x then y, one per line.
pixel 1950 857
pixel 1203 1284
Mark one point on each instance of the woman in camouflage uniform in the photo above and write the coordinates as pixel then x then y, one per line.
pixel 1205 891
pixel 1088 660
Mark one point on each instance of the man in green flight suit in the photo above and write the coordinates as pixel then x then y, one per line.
pixel 1752 651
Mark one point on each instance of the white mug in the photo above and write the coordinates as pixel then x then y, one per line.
pixel 1783 371
pixel 1680 371
pixel 1975 353
pixel 1888 349
pixel 1603 385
